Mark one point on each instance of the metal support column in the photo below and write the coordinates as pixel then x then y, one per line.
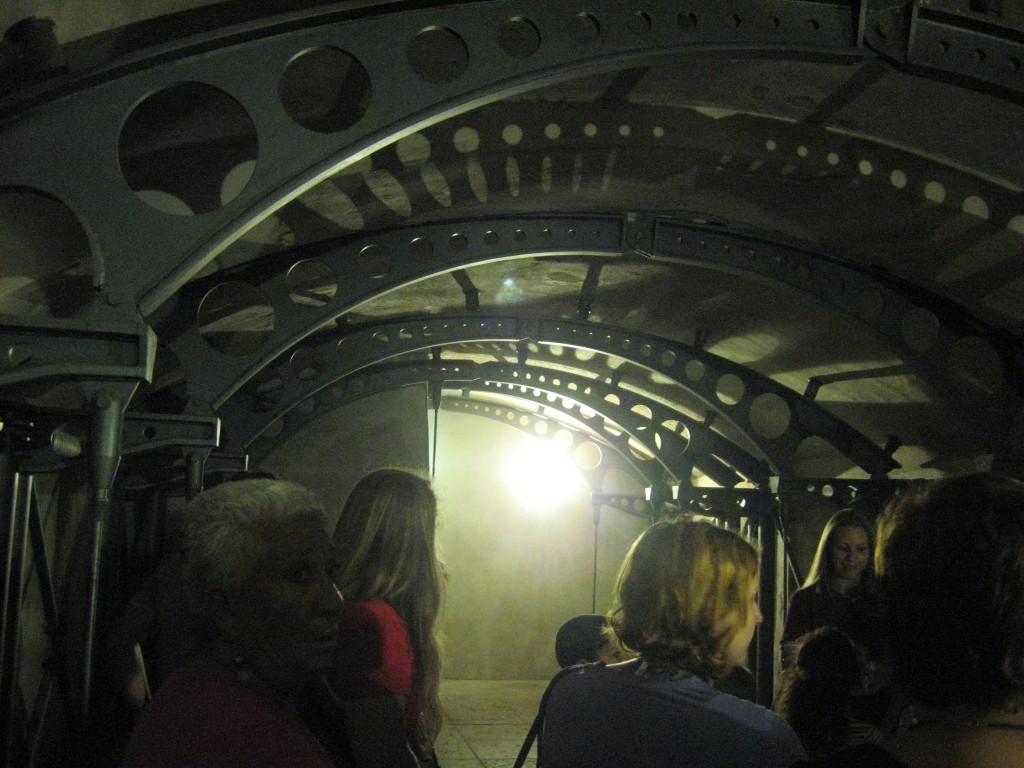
pixel 765 639
pixel 56 688
pixel 14 492
pixel 107 426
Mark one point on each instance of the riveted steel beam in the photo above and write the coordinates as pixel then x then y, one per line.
pixel 679 441
pixel 341 275
pixel 698 372
pixel 39 348
pixel 893 311
pixel 144 432
pixel 535 424
pixel 452 57
pixel 614 415
pixel 375 264
pixel 712 379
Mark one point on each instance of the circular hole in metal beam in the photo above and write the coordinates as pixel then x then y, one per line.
pixel 262 393
pixel 730 389
pixel 639 23
pixel 179 145
pixel 325 90
pixel 376 261
pixel 585 28
pixel 770 416
pixel 519 37
pixel 311 283
pixel 303 365
pixel 235 318
pixel 46 262
pixel 588 455
pixel 420 248
pixel 437 55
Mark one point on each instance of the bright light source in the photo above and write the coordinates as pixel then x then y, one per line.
pixel 541 474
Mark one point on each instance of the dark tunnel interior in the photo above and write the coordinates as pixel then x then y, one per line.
pixel 756 260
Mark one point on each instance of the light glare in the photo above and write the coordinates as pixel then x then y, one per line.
pixel 541 474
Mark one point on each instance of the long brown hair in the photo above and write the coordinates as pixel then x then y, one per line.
pixel 385 542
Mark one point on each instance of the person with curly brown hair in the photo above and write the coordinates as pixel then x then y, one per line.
pixel 686 602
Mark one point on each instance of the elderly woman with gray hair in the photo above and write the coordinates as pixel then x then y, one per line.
pixel 258 578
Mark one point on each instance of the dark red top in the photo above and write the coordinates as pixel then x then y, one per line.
pixel 858 615
pixel 374 656
pixel 202 718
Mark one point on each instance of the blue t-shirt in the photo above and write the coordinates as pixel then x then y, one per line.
pixel 603 717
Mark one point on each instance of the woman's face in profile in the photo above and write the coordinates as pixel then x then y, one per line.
pixel 289 613
pixel 736 649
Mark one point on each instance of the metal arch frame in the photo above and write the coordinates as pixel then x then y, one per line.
pixel 119 224
pixel 670 451
pixel 386 376
pixel 523 420
pixel 121 228
pixel 235 60
pixel 728 464
pixel 402 256
pixel 337 354
pixel 370 266
pixel 850 291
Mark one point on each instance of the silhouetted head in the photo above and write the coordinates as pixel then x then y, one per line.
pixel 951 568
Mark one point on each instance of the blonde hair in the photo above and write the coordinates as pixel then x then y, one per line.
pixel 682 581
pixel 385 542
pixel 823 565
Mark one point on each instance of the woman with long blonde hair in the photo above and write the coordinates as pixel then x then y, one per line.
pixel 840 591
pixel 388 662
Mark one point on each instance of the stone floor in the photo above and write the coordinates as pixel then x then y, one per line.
pixel 486 722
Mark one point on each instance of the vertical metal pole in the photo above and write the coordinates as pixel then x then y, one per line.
pixel 105 455
pixel 14 538
pixel 768 535
pixel 194 463
pixel 597 524
pixel 51 614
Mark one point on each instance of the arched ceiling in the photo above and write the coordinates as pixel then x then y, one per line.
pixel 737 241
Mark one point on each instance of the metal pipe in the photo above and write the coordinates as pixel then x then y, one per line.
pixel 194 465
pixel 765 652
pixel 13 535
pixel 105 447
pixel 51 613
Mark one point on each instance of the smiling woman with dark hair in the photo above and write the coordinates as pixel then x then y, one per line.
pixel 258 581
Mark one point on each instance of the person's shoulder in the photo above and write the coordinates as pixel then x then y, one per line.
pixel 810 591
pixel 362 615
pixel 195 689
pixel 747 712
pixel 594 679
pixel 197 714
pixel 378 609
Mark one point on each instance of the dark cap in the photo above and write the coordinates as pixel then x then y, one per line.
pixel 579 639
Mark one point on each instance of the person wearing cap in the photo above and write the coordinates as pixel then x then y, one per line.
pixel 585 639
